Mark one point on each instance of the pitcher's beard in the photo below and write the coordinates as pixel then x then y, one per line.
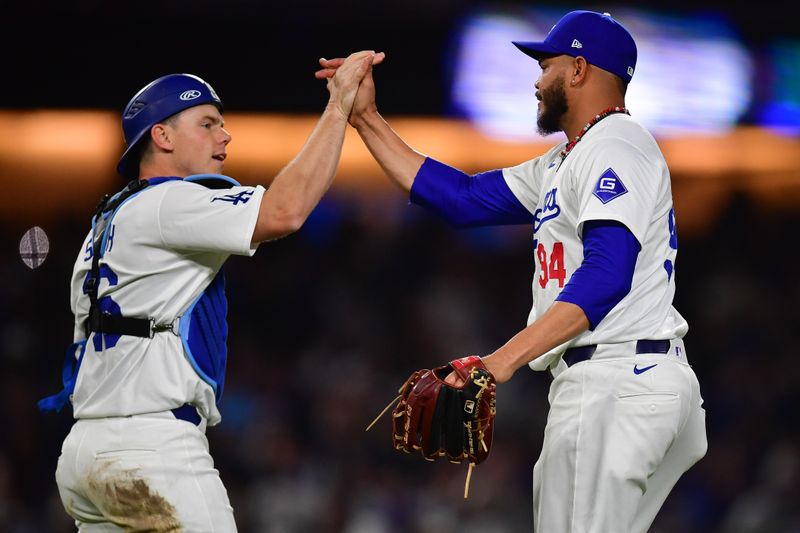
pixel 554 105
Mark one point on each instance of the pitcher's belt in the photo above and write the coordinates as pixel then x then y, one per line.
pixel 574 356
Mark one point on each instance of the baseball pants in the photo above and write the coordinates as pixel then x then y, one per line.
pixel 622 428
pixel 148 472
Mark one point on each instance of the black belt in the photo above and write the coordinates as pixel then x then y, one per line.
pixel 583 353
pixel 187 412
pixel 123 325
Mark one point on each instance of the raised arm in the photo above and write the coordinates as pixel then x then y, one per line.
pixel 398 160
pixel 461 199
pixel 298 187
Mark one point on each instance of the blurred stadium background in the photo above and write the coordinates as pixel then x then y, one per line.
pixel 335 317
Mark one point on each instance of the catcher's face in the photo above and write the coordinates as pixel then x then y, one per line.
pixel 551 95
pixel 200 141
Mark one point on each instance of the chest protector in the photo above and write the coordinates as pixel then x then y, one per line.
pixel 203 327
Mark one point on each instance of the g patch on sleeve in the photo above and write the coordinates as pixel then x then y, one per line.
pixel 609 186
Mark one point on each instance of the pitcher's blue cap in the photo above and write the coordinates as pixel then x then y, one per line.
pixel 599 38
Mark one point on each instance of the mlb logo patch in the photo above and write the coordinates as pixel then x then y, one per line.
pixel 609 186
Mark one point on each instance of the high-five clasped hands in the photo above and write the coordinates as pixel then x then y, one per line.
pixel 364 99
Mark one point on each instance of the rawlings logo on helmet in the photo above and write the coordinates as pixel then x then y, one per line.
pixel 190 94
pixel 157 101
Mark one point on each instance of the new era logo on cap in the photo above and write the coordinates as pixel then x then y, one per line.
pixel 598 37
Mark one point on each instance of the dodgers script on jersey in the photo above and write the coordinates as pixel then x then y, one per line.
pixel 160 255
pixel 616 172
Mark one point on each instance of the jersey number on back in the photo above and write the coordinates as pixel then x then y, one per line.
pixel 673 242
pixel 106 305
pixel 554 268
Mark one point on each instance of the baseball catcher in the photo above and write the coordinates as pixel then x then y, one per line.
pixel 446 412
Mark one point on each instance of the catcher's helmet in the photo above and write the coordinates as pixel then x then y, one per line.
pixel 154 103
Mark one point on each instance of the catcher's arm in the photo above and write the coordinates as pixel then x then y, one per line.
pixel 298 187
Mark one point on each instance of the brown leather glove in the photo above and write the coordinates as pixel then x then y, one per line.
pixel 441 420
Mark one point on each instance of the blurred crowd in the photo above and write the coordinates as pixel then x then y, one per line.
pixel 326 324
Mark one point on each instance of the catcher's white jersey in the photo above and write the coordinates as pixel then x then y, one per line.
pixel 616 172
pixel 165 247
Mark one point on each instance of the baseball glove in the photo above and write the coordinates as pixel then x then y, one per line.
pixel 441 420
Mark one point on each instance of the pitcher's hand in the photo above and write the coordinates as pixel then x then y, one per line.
pixel 364 100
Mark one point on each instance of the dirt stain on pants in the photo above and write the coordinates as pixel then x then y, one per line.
pixel 126 500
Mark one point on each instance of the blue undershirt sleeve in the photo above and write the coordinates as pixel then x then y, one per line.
pixel 463 200
pixel 606 273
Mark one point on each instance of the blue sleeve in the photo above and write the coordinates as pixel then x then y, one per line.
pixel 606 274
pixel 463 200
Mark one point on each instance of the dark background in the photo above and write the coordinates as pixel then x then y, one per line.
pixel 325 324
pixel 260 55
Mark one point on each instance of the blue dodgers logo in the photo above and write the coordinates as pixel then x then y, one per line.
pixel 609 186
pixel 550 209
pixel 234 199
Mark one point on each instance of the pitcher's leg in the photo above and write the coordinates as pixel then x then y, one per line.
pixel 607 432
pixel 689 447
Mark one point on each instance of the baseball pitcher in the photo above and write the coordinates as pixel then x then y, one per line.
pixel 626 417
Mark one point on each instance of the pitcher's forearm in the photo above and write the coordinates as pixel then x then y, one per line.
pixel 398 160
pixel 562 322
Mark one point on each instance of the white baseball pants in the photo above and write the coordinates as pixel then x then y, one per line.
pixel 617 440
pixel 148 472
